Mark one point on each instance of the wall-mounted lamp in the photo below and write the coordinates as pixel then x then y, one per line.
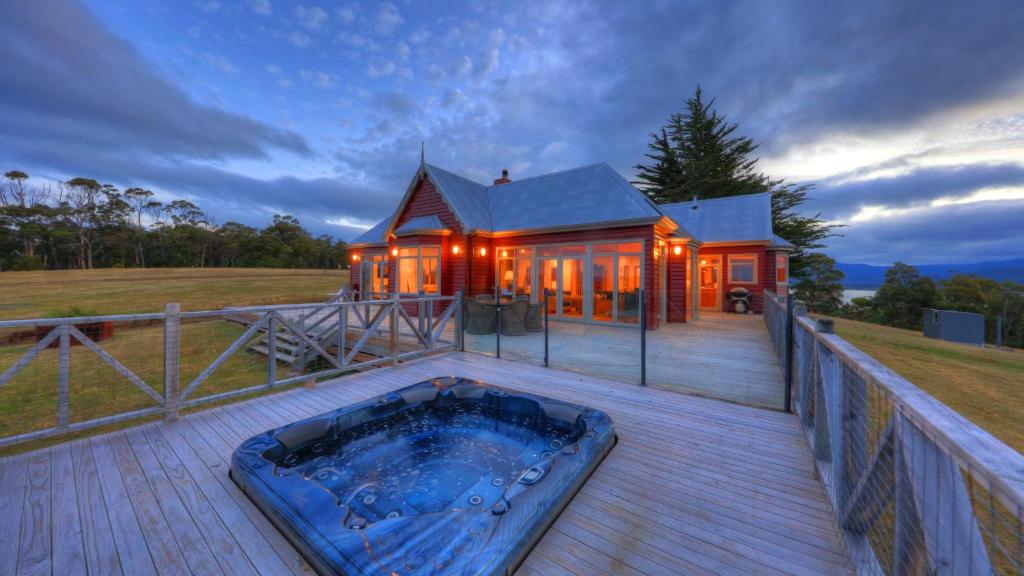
pixel 456 249
pixel 504 253
pixel 394 251
pixel 483 251
pixel 657 253
pixel 703 262
pixel 355 257
pixel 677 250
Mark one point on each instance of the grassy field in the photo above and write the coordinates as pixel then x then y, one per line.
pixel 135 290
pixel 29 401
pixel 986 385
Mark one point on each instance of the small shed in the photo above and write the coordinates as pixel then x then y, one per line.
pixel 954 326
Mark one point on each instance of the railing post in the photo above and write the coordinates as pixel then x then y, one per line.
pixel 65 376
pixel 272 351
pixel 788 351
pixel 643 339
pixel 497 310
pixel 458 322
pixel 172 365
pixel 545 327
pixel 342 334
pixel 393 320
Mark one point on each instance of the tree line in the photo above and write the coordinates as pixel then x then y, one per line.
pixel 82 224
pixel 905 293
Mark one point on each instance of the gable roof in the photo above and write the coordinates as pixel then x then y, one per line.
pixel 729 219
pixel 587 196
pixel 425 224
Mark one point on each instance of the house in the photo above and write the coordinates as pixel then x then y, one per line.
pixel 585 234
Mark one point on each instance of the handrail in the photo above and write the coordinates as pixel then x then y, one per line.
pixel 969 444
pixel 407 339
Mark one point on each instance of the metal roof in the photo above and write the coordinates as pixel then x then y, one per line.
pixel 587 195
pixel 421 224
pixel 730 219
pixel 375 235
pixel 467 198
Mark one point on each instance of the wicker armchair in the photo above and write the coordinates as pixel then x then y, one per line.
pixel 513 318
pixel 535 317
pixel 481 318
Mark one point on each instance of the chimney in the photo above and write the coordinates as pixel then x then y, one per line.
pixel 695 205
pixel 504 177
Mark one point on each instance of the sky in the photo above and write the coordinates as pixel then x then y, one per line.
pixel 907 117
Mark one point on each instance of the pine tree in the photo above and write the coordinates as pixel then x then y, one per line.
pixel 699 154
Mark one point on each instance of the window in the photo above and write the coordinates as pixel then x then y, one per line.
pixel 781 268
pixel 524 271
pixel 419 270
pixel 375 274
pixel 742 269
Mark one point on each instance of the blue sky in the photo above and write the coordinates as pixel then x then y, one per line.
pixel 908 117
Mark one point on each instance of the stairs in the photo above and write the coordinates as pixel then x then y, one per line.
pixel 287 347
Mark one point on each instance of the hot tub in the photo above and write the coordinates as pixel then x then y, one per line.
pixel 448 476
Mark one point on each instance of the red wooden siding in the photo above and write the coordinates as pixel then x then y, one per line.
pixel 765 272
pixel 427 201
pixel 676 297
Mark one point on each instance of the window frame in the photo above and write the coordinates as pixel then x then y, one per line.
pixel 418 257
pixel 784 260
pixel 754 265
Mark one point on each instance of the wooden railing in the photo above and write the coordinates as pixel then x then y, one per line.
pixel 916 487
pixel 349 332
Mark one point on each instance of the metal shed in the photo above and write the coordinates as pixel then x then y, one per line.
pixel 954 326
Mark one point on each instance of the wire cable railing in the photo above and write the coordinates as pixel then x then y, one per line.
pixel 915 486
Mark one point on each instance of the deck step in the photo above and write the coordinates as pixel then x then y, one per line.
pixel 265 350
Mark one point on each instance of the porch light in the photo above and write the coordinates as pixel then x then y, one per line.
pixel 394 251
pixel 657 253
pixel 703 262
pixel 456 249
pixel 504 253
pixel 355 257
pixel 483 251
pixel 677 250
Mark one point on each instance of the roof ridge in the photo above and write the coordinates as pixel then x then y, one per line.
pixel 566 171
pixel 699 200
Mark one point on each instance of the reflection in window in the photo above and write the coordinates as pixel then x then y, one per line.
pixel 604 288
pixel 629 286
pixel 741 269
pixel 524 269
pixel 781 268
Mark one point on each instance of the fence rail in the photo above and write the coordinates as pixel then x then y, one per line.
pixel 916 487
pixel 349 332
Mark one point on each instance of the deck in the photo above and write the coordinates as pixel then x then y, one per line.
pixel 724 356
pixel 694 486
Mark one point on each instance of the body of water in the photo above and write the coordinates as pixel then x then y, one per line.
pixel 849 295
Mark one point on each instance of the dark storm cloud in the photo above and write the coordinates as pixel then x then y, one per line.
pixel 916 188
pixel 954 233
pixel 68 81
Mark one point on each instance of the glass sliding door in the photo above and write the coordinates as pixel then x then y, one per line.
pixel 548 280
pixel 603 309
pixel 628 288
pixel 571 290
pixel 710 282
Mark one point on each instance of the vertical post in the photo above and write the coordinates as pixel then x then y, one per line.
pixel 393 320
pixel 342 332
pixel 999 331
pixel 271 351
pixel 545 327
pixel 459 327
pixel 65 370
pixel 420 311
pixel 787 347
pixel 497 310
pixel 643 339
pixel 172 340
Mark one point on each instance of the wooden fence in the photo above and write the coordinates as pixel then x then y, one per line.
pixel 916 487
pixel 351 331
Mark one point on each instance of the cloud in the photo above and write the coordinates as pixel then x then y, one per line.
pixel 347 14
pixel 208 5
pixel 136 112
pixel 380 68
pixel 420 36
pixel 262 7
pixel 312 18
pixel 319 79
pixel 218 62
pixel 462 66
pixel 387 20
pixel 298 39
pixel 919 188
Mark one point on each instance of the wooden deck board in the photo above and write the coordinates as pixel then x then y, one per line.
pixel 694 486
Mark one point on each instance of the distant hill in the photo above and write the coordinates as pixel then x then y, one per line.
pixel 866 276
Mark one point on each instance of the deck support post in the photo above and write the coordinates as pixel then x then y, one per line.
pixel 172 351
pixel 65 369
pixel 459 326
pixel 272 351
pixel 497 333
pixel 546 327
pixel 393 320
pixel 788 351
pixel 643 339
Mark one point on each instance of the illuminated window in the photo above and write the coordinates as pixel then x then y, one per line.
pixel 419 269
pixel 781 268
pixel 742 269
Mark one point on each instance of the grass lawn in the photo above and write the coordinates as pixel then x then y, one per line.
pixel 135 290
pixel 29 401
pixel 986 385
